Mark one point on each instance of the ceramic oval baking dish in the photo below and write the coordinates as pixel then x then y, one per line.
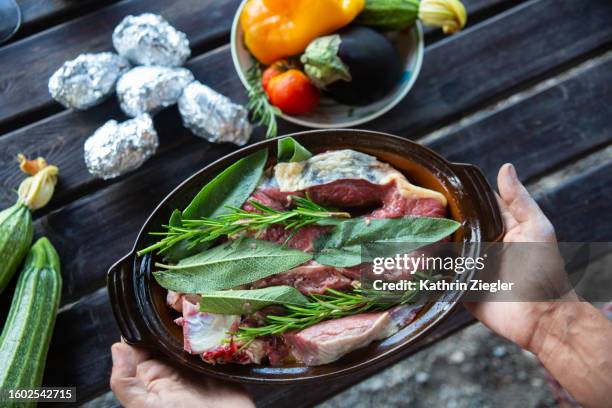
pixel 145 320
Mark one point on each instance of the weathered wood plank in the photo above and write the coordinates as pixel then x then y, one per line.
pixel 24 90
pixel 544 130
pixel 60 138
pixel 38 13
pixel 102 226
pixel 80 349
pixel 580 206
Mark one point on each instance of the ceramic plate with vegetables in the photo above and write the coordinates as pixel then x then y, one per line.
pixel 264 265
pixel 332 63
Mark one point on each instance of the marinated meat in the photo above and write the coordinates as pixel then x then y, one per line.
pixel 348 193
pixel 308 278
pixel 175 299
pixel 327 341
pixel 303 239
pixel 335 166
pixel 395 205
pixel 204 332
pixel 346 180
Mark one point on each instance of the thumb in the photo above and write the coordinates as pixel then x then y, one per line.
pixel 520 203
pixel 124 383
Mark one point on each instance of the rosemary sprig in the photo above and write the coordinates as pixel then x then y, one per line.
pixel 237 221
pixel 260 107
pixel 332 305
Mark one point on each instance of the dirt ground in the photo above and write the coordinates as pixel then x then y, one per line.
pixel 474 368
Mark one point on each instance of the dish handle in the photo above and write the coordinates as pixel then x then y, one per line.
pixel 122 294
pixel 485 202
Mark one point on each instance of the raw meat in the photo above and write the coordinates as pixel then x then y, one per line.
pixel 327 341
pixel 204 332
pixel 308 278
pixel 175 299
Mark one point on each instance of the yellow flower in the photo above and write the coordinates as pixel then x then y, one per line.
pixel 36 190
pixel 448 14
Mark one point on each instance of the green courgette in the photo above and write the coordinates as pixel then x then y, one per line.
pixel 15 239
pixel 16 222
pixel 29 326
pixel 389 15
pixel 396 15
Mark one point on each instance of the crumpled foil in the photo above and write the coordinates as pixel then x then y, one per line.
pixel 213 116
pixel 148 39
pixel 117 148
pixel 150 89
pixel 87 80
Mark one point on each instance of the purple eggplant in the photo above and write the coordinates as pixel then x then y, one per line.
pixel 356 66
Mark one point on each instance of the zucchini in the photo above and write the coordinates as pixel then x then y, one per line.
pixel 29 326
pixel 389 15
pixel 16 233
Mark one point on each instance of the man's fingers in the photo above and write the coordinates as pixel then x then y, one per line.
pixel 520 204
pixel 125 359
pixel 123 380
pixel 129 391
pixel 152 370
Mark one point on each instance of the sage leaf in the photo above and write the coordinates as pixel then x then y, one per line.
pixel 342 246
pixel 230 188
pixel 249 301
pixel 289 150
pixel 229 265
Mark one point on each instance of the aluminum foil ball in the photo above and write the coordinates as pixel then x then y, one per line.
pixel 87 80
pixel 117 148
pixel 148 39
pixel 213 116
pixel 150 89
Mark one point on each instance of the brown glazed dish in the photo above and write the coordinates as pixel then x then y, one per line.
pixel 145 320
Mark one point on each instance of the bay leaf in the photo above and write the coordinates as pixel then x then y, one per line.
pixel 249 301
pixel 229 265
pixel 342 246
pixel 289 150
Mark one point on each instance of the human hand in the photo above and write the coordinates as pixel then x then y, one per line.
pixel 524 221
pixel 140 381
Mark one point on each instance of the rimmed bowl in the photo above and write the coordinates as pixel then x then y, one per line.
pixel 329 113
pixel 145 320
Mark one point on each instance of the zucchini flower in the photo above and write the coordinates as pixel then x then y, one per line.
pixel 448 14
pixel 36 190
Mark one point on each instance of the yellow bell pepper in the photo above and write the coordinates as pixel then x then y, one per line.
pixel 275 29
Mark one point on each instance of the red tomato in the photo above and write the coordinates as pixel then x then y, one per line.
pixel 273 70
pixel 292 92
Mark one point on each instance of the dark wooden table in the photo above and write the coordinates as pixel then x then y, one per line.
pixel 528 82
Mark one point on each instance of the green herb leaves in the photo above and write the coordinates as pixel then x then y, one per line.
pixel 289 150
pixel 342 247
pixel 230 188
pixel 331 305
pixel 229 265
pixel 249 301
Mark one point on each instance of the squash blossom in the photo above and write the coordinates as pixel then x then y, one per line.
pixel 448 14
pixel 36 190
pixel 275 29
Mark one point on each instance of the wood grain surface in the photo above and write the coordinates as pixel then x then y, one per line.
pixel 528 82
